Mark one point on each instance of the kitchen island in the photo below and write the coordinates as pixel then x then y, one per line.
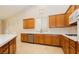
pixel 7 43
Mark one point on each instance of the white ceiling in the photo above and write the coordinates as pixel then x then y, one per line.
pixel 9 10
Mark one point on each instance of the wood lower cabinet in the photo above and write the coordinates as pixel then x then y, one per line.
pixel 77 47
pixel 36 38
pixel 66 45
pixel 61 41
pixel 47 39
pixel 72 49
pixel 55 40
pixel 12 46
pixel 24 37
pixel 9 48
pixel 39 38
pixel 4 49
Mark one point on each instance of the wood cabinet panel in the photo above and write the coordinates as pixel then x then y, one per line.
pixel 60 20
pixel 55 40
pixel 47 39
pixel 52 21
pixel 77 47
pixel 76 6
pixel 4 49
pixel 56 21
pixel 72 49
pixel 71 9
pixel 24 37
pixel 9 48
pixel 36 38
pixel 28 23
pixel 66 45
pixel 12 46
pixel 61 41
pixel 39 38
pixel 67 19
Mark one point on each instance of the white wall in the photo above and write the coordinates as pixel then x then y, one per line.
pixel 40 13
pixel 1 27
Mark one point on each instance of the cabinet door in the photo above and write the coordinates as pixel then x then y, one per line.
pixel 72 49
pixel 66 45
pixel 47 39
pixel 52 21
pixel 61 41
pixel 41 39
pixel 5 49
pixel 24 37
pixel 67 19
pixel 60 20
pixel 12 46
pixel 71 9
pixel 77 6
pixel 28 23
pixel 36 38
pixel 77 47
pixel 55 40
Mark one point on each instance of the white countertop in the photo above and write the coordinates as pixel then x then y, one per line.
pixel 5 38
pixel 74 38
pixel 70 37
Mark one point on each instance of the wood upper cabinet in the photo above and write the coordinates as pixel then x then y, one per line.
pixel 71 9
pixel 24 37
pixel 76 6
pixel 60 20
pixel 52 21
pixel 56 21
pixel 29 23
pixel 68 13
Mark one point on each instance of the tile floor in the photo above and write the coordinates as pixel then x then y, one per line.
pixel 27 48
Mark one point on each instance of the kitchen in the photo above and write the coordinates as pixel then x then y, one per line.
pixel 44 25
